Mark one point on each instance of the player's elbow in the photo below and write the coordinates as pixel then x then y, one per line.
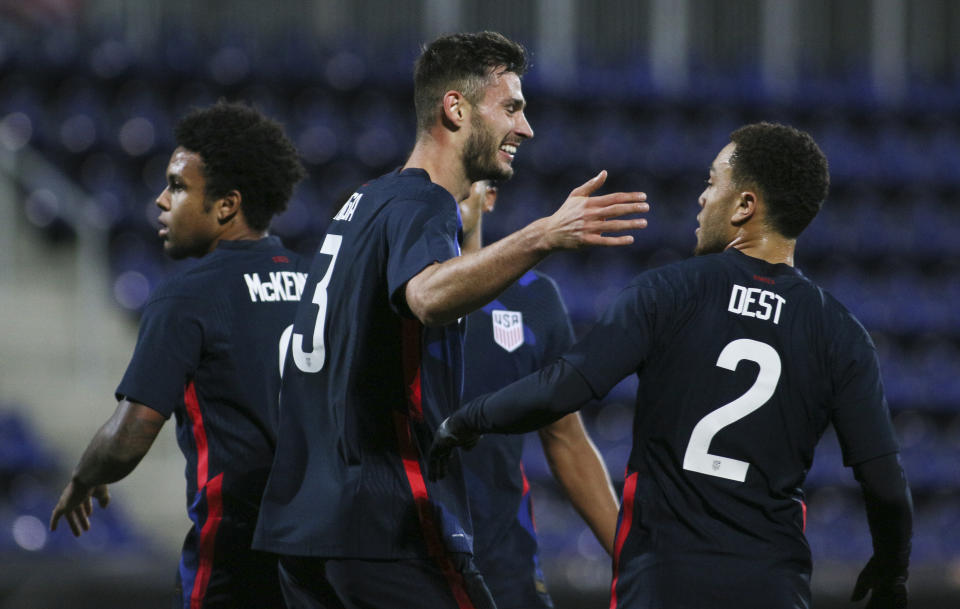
pixel 426 302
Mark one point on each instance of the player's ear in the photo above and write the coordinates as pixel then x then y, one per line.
pixel 746 207
pixel 227 206
pixel 455 109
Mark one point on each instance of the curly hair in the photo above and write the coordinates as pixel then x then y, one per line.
pixel 245 151
pixel 461 62
pixel 789 170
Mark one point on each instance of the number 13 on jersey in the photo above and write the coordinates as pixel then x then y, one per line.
pixel 697 457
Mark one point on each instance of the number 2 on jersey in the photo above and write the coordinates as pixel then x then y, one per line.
pixel 313 360
pixel 698 458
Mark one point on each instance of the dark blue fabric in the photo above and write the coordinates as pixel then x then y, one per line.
pixel 505 541
pixel 339 487
pixel 217 326
pixel 788 342
pixel 315 583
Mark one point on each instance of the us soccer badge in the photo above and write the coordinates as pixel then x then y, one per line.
pixel 508 329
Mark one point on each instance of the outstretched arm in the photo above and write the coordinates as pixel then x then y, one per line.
pixel 524 405
pixel 578 467
pixel 113 452
pixel 890 516
pixel 444 292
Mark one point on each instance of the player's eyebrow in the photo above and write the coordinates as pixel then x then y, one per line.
pixel 516 103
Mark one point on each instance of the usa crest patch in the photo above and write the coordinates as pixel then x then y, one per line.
pixel 508 329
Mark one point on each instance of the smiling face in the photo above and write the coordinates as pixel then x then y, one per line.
pixel 718 203
pixel 189 225
pixel 497 127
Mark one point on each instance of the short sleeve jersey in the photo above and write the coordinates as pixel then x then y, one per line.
pixel 741 364
pixel 364 387
pixel 208 353
pixel 524 329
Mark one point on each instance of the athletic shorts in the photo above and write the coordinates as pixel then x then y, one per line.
pixel 333 583
pixel 719 583
pixel 227 576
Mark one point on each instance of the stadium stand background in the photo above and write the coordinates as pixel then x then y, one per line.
pixel 648 89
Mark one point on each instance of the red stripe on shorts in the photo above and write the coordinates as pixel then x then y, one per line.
pixel 213 490
pixel 626 519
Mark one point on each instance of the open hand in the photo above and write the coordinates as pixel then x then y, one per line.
pixel 583 219
pixel 76 505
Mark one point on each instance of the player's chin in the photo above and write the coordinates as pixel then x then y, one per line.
pixel 173 251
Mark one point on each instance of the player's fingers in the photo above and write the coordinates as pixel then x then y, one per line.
pixel 74 523
pixel 597 240
pixel 87 506
pixel 617 210
pixel 102 493
pixel 618 198
pixel 615 226
pixel 590 186
pixel 438 463
pixel 55 518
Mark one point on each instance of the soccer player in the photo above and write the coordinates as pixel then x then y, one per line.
pixel 208 353
pixel 525 328
pixel 376 359
pixel 742 363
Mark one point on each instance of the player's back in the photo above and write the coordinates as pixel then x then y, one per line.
pixel 741 366
pixel 215 330
pixel 365 384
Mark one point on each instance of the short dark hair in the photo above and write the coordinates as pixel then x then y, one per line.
pixel 789 170
pixel 243 150
pixel 461 62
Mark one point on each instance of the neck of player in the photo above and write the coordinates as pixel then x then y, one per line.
pixel 443 162
pixel 765 245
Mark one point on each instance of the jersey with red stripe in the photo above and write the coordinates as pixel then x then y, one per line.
pixel 525 328
pixel 364 387
pixel 741 365
pixel 208 352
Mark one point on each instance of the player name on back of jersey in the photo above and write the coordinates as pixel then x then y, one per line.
pixel 279 286
pixel 755 302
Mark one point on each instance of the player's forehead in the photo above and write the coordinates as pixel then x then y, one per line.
pixel 503 86
pixel 185 164
pixel 721 165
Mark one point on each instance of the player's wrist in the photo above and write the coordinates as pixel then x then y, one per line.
pixel 80 485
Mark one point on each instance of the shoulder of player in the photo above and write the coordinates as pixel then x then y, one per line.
pixel 199 281
pixel 406 189
pixel 531 287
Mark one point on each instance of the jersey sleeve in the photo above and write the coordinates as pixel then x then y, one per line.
pixel 622 339
pixel 419 233
pixel 860 414
pixel 166 356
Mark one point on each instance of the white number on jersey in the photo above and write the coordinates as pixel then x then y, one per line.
pixel 698 457
pixel 313 360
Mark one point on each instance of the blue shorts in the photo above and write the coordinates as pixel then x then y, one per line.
pixel 333 583
pixel 718 583
pixel 511 569
pixel 228 576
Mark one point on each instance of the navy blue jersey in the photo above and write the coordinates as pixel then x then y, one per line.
pixel 208 352
pixel 741 364
pixel 525 328
pixel 364 387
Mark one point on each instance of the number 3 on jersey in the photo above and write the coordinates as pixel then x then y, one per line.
pixel 698 457
pixel 313 360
